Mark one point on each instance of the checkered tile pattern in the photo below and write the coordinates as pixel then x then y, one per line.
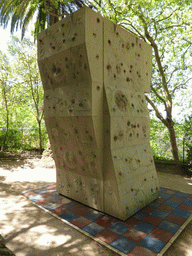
pixel 145 233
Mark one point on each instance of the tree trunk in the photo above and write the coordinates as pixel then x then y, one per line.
pixel 40 137
pixel 173 141
pixel 7 119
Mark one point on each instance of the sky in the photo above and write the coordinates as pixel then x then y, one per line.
pixel 178 115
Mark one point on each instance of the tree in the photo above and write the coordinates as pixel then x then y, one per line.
pixel 166 26
pixel 4 76
pixel 21 12
pixel 28 78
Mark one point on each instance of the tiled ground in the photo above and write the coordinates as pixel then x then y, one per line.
pixel 145 233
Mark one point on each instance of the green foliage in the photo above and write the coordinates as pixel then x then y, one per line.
pixel 21 12
pixel 24 99
pixel 160 141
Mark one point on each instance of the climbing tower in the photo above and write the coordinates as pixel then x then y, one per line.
pixel 94 75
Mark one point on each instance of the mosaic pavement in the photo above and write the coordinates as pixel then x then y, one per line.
pixel 147 232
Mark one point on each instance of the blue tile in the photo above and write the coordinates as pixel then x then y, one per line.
pixel 161 189
pixel 181 213
pixel 36 198
pixel 153 244
pixel 93 215
pixel 140 215
pixel 172 203
pixel 183 195
pixel 71 206
pixel 123 244
pixel 144 227
pixel 69 216
pixel 93 228
pixel 40 191
pixel 165 195
pixel 54 198
pixel 188 202
pixel 154 204
pixel 50 206
pixel 171 227
pixel 118 228
pixel 160 214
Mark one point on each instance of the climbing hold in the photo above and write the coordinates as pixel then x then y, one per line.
pixel 53 47
pixel 54 69
pixel 64 40
pixel 73 38
pixel 115 138
pixel 108 67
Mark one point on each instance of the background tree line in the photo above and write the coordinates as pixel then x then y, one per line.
pixel 165 25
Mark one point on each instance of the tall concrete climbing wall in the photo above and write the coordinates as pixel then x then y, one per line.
pixel 94 75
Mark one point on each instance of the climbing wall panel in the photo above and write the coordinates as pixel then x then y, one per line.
pixel 94 75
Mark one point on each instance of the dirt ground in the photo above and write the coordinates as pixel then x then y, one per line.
pixel 30 231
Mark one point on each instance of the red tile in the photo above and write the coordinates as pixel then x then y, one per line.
pixel 105 221
pixel 176 219
pixel 81 210
pixel 185 207
pixel 170 192
pixel 131 222
pixel 60 210
pixel 80 222
pixel 45 195
pixel 152 220
pixel 161 234
pixel 177 199
pixel 42 202
pixel 165 208
pixel 53 187
pixel 134 235
pixel 28 194
pixel 147 209
pixel 141 251
pixel 107 236
pixel 160 200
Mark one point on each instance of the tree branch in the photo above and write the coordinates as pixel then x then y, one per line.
pixel 178 86
pixel 51 13
pixel 158 96
pixel 158 114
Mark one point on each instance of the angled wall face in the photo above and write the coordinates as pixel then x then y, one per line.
pixel 94 75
